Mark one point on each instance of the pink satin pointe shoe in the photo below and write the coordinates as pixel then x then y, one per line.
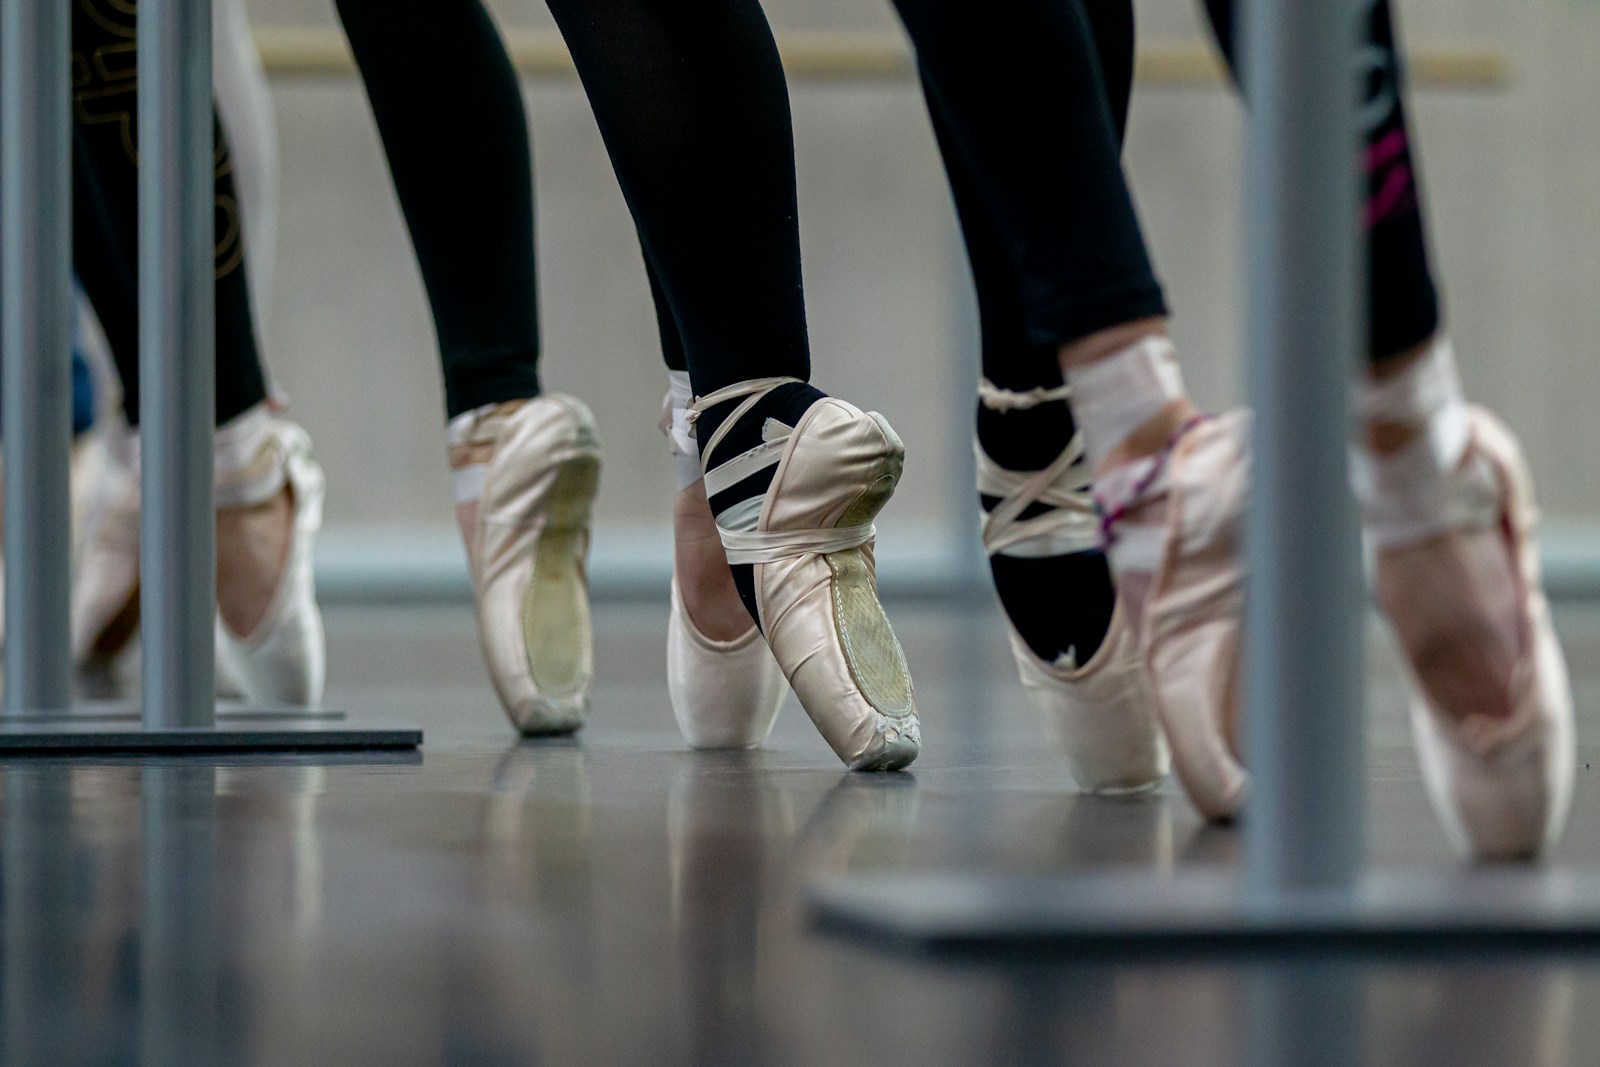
pixel 535 468
pixel 105 583
pixel 1503 787
pixel 809 539
pixel 1189 630
pixel 724 694
pixel 1099 714
pixel 284 659
pixel 282 662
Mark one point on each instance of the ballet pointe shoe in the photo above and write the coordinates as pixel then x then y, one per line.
pixel 105 585
pixel 1189 630
pixel 1098 715
pixel 528 553
pixel 810 545
pixel 1502 788
pixel 283 660
pixel 725 694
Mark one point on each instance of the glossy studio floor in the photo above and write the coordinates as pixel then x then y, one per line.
pixel 619 900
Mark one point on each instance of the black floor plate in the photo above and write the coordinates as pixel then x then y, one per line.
pixel 1202 913
pixel 58 737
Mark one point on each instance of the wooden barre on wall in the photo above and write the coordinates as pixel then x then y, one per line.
pixel 846 57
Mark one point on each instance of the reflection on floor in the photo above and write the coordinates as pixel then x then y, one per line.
pixel 618 900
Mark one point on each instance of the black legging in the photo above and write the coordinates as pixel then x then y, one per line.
pixel 1011 359
pixel 1017 84
pixel 1402 299
pixel 691 101
pixel 105 204
pixel 1075 615
pixel 449 108
pixel 1080 256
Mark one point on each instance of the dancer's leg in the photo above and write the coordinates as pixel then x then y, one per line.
pixel 244 107
pixel 105 199
pixel 692 104
pixel 1402 299
pixel 724 685
pixel 1453 478
pixel 1088 287
pixel 525 466
pixel 700 566
pixel 1024 425
pixel 695 112
pixel 1081 670
pixel 449 108
pixel 268 489
pixel 1454 600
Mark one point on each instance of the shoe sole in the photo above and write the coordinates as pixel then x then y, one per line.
pixel 555 614
pixel 873 654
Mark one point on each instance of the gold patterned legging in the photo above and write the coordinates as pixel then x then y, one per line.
pixel 105 86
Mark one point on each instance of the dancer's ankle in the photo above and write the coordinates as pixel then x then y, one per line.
pixel 1103 344
pixel 1151 436
pixel 471 451
pixel 1127 391
pixel 1386 435
pixel 704 579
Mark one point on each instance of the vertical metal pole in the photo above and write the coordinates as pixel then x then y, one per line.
pixel 36 233
pixel 1304 690
pixel 177 366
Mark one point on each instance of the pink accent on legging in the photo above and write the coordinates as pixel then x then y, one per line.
pixel 1396 194
pixel 1385 149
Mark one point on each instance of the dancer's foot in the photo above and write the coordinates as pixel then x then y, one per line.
pixel 700 566
pixel 1097 711
pixel 808 540
pixel 1448 503
pixel 526 473
pixel 105 586
pixel 1171 489
pixel 252 547
pixel 725 687
pixel 1456 607
pixel 270 641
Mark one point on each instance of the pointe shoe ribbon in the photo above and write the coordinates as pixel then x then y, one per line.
pixel 809 540
pixel 1503 787
pixel 528 559
pixel 1098 714
pixel 1190 630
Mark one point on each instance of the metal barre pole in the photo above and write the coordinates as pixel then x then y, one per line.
pixel 36 218
pixel 177 339
pixel 1304 692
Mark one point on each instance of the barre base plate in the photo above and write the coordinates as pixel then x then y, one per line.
pixel 1095 914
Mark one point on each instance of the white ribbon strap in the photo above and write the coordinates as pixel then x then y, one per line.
pixel 997 399
pixel 774 438
pixel 1070 527
pixel 1115 396
pixel 770 546
pixel 753 390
